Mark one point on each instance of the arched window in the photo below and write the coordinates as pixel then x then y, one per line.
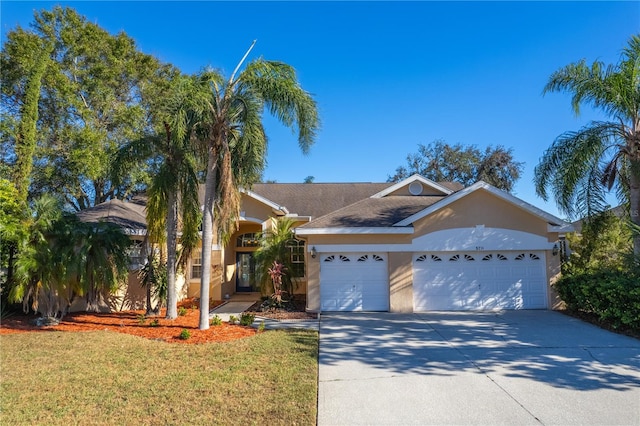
pixel 296 250
pixel 250 239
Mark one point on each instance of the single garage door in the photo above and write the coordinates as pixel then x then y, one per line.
pixel 354 282
pixel 479 281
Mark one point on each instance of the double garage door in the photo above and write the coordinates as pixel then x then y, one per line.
pixel 441 281
pixel 479 281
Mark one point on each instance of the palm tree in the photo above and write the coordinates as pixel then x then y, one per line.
pixel 100 260
pixel 40 266
pixel 580 167
pixel 234 130
pixel 173 193
pixel 275 248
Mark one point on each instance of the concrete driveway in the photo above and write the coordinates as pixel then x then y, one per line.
pixel 515 367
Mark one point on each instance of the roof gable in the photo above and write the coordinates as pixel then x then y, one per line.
pixel 549 218
pixel 415 185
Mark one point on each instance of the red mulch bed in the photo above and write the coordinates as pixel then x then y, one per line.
pixel 128 322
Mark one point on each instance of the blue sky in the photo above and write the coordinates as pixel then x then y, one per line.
pixel 387 75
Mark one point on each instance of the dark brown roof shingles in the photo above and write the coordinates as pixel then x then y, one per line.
pixel 374 212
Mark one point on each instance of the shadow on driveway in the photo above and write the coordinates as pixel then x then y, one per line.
pixel 543 346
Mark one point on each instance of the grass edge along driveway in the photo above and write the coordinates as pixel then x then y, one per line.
pixel 114 378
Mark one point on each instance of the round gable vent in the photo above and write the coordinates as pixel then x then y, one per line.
pixel 415 188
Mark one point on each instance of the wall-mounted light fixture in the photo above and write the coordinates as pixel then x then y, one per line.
pixel 555 250
pixel 314 252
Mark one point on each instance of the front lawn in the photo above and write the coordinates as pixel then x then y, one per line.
pixel 112 378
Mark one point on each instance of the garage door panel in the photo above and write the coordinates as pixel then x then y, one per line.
pixel 354 282
pixel 479 280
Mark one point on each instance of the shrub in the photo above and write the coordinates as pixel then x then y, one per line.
pixel 216 320
pixel 184 334
pixel 233 319
pixel 261 327
pixel 247 318
pixel 182 311
pixel 141 318
pixel 154 323
pixel 612 296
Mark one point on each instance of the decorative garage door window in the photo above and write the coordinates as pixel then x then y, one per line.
pixel 479 280
pixel 471 258
pixel 334 258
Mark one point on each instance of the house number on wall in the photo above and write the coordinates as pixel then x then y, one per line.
pixel 479 248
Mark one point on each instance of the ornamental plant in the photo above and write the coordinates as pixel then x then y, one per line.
pixel 276 272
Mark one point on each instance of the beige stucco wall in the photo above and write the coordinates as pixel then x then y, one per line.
pixel 252 208
pixel 400 282
pixel 481 208
pixel 215 291
pixel 313 283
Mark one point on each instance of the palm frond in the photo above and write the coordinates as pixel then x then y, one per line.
pixel 571 168
pixel 277 85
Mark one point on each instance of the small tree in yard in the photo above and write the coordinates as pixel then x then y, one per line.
pixel 275 248
pixel 276 272
pixel 153 277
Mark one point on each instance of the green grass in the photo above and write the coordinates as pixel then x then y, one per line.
pixel 112 378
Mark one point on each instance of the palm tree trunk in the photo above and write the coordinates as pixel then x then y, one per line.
pixel 207 238
pixel 172 230
pixel 634 203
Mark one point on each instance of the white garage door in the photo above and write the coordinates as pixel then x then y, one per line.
pixel 354 282
pixel 479 280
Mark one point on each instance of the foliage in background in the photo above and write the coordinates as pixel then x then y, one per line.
pixel 604 243
pixel 581 167
pixel 72 94
pixel 13 220
pixel 467 165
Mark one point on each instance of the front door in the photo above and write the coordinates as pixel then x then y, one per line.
pixel 245 272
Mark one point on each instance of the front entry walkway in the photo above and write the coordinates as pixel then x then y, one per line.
pixel 226 310
pixel 513 367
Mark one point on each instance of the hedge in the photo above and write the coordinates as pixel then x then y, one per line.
pixel 612 296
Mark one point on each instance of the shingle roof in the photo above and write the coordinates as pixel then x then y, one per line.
pixel 316 199
pixel 131 216
pixel 374 212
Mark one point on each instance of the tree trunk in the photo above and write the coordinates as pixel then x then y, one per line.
pixel 172 231
pixel 207 238
pixel 634 204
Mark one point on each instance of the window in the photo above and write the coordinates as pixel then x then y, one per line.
pixel 196 264
pixel 296 250
pixel 136 254
pixel 249 239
